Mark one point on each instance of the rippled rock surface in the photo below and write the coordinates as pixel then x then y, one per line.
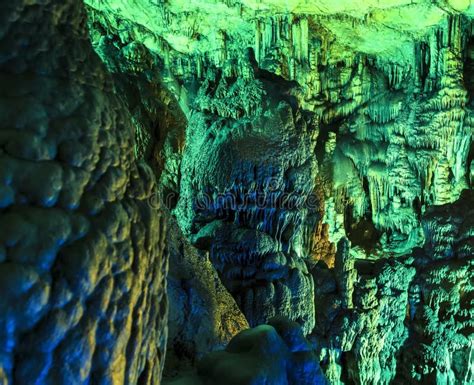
pixel 82 260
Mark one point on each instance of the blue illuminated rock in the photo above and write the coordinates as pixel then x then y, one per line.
pixel 82 265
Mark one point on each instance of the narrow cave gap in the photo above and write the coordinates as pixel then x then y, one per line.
pixel 362 233
pixel 348 217
pixel 324 130
pixel 470 156
pixel 145 375
pixel 417 205
pixel 470 165
pixel 365 186
pixel 347 361
pixel 423 63
pixel 278 85
pixel 157 131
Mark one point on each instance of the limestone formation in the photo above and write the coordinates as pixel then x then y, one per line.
pixel 314 161
pixel 203 316
pixel 82 262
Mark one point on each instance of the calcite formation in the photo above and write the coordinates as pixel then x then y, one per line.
pixel 313 159
pixel 203 316
pixel 82 253
pixel 250 210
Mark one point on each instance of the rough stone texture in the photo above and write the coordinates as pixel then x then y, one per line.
pixel 442 299
pixel 301 126
pixel 386 321
pixel 203 316
pixel 384 29
pixel 405 319
pixel 361 313
pixel 273 354
pixel 363 108
pixel 250 173
pixel 82 263
pixel 157 118
pixel 385 88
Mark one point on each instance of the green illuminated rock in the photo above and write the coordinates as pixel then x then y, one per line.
pixel 362 107
pixel 316 163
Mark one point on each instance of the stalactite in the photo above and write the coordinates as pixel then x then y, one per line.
pixel 380 108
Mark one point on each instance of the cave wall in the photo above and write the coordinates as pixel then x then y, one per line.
pixel 203 316
pixel 320 140
pixel 385 97
pixel 82 261
pixel 317 159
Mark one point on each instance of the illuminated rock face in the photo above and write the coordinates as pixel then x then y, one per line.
pixel 443 308
pixel 249 170
pixel 405 319
pixel 317 157
pixel 384 88
pixel 369 103
pixel 82 262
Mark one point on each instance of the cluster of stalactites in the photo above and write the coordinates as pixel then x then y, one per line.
pixel 284 36
pixel 410 144
pixel 230 97
pixel 278 211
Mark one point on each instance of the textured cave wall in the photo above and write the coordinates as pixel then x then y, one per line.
pixel 365 110
pixel 203 316
pixel 157 118
pixel 406 319
pixel 361 317
pixel 248 164
pixel 408 148
pixel 441 299
pixel 387 95
pixel 82 262
pixel 276 353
